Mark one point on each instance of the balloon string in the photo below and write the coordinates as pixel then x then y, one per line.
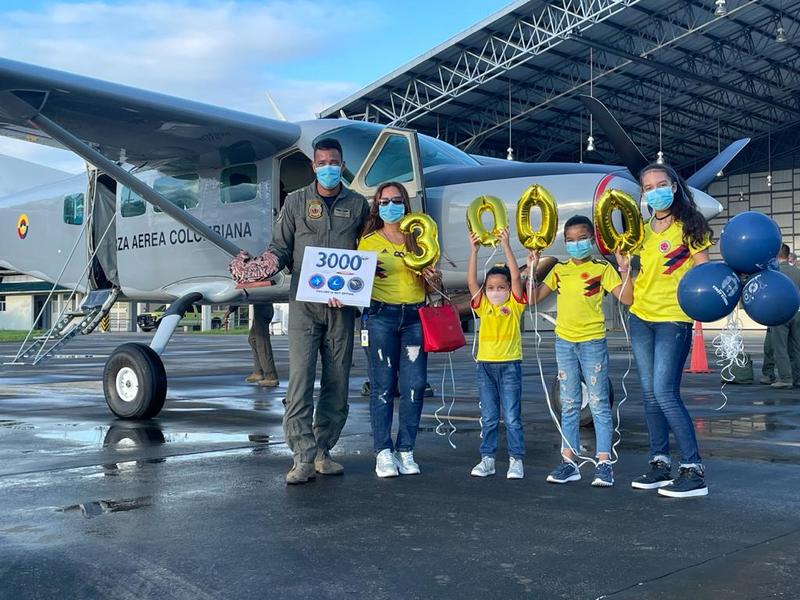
pixel 729 349
pixel 534 315
pixel 440 423
pixel 618 408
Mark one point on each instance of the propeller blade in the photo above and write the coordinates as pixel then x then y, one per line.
pixel 630 154
pixel 708 172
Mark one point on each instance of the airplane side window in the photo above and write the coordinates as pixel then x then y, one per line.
pixel 392 164
pixel 182 190
pixel 73 209
pixel 131 203
pixel 238 184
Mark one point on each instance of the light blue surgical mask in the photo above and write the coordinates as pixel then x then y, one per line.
pixel 392 213
pixel 329 176
pixel 580 249
pixel 659 198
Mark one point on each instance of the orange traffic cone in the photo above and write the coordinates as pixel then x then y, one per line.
pixel 699 362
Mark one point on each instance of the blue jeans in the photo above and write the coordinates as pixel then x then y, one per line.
pixel 500 383
pixel 661 350
pixel 587 362
pixel 396 362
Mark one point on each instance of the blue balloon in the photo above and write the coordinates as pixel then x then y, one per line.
pixel 770 298
pixel 749 242
pixel 709 291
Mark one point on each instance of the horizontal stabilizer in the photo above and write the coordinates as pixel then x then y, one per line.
pixel 708 172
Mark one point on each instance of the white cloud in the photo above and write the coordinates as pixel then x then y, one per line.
pixel 225 53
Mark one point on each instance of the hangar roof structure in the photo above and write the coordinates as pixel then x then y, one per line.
pixel 678 73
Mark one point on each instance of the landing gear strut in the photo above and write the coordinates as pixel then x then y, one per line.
pixel 134 379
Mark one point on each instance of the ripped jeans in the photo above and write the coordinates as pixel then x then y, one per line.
pixel 587 362
pixel 397 363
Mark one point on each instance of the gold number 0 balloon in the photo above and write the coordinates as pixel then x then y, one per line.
pixel 537 196
pixel 495 206
pixel 424 229
pixel 632 236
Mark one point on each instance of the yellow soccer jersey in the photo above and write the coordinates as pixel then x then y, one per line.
pixel 665 260
pixel 499 338
pixel 580 290
pixel 395 283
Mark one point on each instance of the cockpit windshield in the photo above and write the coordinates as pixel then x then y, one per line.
pixel 358 138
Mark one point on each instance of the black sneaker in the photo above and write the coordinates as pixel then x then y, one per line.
pixel 659 475
pixel 690 482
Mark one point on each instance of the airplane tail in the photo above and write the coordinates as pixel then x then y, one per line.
pixel 635 160
pixel 17 175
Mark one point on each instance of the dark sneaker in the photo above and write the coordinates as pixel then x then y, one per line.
pixel 690 482
pixel 659 475
pixel 564 473
pixel 603 475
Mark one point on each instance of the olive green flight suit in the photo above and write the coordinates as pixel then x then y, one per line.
pixel 785 339
pixel 263 360
pixel 316 329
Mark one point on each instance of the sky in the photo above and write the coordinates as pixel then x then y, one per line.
pixel 307 55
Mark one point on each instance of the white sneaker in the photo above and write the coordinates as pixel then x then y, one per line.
pixel 515 470
pixel 405 463
pixel 385 465
pixel 484 468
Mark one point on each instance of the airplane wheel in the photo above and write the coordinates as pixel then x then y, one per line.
pixel 586 412
pixel 135 382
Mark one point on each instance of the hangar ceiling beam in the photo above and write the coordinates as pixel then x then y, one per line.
pixel 530 36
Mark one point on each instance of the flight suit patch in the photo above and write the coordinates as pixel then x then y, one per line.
pixel 315 209
pixel 341 212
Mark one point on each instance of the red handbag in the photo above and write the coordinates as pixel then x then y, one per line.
pixel 441 328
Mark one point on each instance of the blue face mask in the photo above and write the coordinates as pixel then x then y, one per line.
pixel 580 249
pixel 659 198
pixel 329 176
pixel 391 213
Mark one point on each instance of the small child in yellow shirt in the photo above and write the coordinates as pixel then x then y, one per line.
pixel 581 348
pixel 499 303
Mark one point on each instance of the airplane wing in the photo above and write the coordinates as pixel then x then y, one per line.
pixel 138 127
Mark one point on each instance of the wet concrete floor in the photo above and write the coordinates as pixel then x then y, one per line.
pixel 193 504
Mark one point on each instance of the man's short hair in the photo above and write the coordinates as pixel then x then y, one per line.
pixel 576 220
pixel 328 144
pixel 784 251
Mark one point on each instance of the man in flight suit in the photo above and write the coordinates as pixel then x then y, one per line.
pixel 323 214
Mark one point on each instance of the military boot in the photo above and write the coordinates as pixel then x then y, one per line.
pixel 325 466
pixel 301 472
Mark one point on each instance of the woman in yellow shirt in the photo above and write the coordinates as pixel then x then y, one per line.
pixel 397 360
pixel 676 238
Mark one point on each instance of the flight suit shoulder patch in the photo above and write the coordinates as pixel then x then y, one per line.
pixel 315 209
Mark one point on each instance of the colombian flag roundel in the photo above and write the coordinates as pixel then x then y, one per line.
pixel 22 226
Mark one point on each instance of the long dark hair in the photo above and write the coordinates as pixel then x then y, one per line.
pixel 374 221
pixel 684 209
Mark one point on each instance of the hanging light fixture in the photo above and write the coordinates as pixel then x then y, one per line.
pixel 780 32
pixel 590 139
pixel 721 8
pixel 509 150
pixel 660 153
pixel 769 158
pixel 719 173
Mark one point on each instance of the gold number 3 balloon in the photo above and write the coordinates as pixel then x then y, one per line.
pixel 480 205
pixel 633 227
pixel 424 230
pixel 537 196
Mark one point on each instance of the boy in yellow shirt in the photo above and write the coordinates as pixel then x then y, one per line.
pixel 581 349
pixel 499 303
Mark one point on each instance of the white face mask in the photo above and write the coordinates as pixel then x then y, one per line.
pixel 498 298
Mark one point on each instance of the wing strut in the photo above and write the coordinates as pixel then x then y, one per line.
pixel 23 110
